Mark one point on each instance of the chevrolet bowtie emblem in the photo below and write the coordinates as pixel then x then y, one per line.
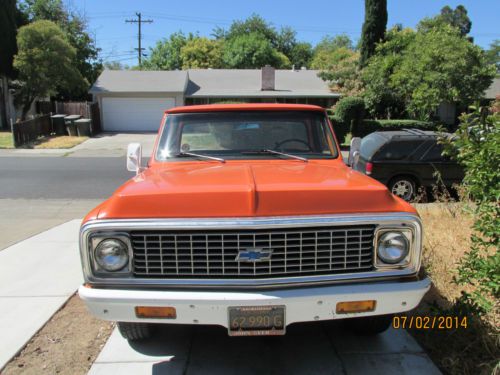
pixel 254 255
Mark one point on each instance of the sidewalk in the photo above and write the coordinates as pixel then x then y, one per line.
pixel 102 145
pixel 37 276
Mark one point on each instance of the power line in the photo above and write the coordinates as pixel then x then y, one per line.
pixel 139 21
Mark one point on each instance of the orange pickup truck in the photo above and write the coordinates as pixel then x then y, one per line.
pixel 247 217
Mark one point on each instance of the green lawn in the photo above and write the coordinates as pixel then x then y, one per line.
pixel 6 140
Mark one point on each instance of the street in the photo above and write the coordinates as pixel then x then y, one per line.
pixel 61 177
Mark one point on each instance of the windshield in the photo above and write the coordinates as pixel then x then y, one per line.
pixel 234 135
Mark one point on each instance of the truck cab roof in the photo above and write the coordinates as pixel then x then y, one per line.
pixel 244 107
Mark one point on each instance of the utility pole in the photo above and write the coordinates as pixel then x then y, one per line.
pixel 139 22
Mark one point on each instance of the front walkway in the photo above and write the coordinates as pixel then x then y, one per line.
pixel 37 276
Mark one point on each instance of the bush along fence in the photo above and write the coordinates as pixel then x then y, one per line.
pixel 349 117
pixel 29 131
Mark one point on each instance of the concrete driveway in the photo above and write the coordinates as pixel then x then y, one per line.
pixel 312 348
pixel 113 144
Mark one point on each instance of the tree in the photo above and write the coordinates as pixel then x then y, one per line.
pixel 325 52
pixel 373 28
pixel 331 43
pixel 457 18
pixel 8 31
pixel 475 146
pixel 254 24
pixel 301 55
pixel 115 65
pixel 45 62
pixel 341 70
pixel 87 54
pixel 381 98
pixel 250 51
pixel 439 65
pixel 202 53
pixel 166 55
pixel 493 54
pixel 286 40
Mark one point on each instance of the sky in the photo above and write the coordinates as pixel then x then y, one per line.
pixel 311 19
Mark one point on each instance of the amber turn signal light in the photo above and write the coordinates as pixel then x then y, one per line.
pixel 157 312
pixel 356 306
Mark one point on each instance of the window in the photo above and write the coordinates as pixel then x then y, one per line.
pixel 229 134
pixel 399 150
pixel 370 145
pixel 435 154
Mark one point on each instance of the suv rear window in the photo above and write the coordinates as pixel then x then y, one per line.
pixel 370 145
pixel 399 149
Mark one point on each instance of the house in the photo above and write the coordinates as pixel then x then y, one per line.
pixel 493 92
pixel 135 100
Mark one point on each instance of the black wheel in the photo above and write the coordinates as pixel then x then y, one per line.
pixel 135 331
pixel 370 325
pixel 404 187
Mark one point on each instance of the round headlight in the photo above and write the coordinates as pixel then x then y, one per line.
pixel 111 254
pixel 393 247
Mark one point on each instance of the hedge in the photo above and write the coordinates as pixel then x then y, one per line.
pixel 370 126
pixel 339 128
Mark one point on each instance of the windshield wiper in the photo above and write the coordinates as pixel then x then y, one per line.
pixel 267 151
pixel 200 156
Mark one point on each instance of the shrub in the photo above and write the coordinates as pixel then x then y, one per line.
pixel 351 111
pixel 476 147
pixel 340 129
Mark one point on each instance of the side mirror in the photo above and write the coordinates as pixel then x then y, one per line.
pixel 354 152
pixel 134 157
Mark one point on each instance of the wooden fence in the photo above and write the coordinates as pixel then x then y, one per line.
pixel 84 109
pixel 28 131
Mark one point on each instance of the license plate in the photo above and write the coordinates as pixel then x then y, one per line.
pixel 256 320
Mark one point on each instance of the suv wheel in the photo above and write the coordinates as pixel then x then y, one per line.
pixel 135 331
pixel 370 325
pixel 404 187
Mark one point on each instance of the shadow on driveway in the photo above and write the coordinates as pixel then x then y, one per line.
pixel 310 348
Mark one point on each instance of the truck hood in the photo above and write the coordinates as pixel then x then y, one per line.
pixel 249 188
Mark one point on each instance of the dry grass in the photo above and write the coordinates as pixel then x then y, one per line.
pixel 59 142
pixel 6 140
pixel 447 231
pixel 471 350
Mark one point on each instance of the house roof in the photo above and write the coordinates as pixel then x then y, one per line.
pixel 494 90
pixel 220 83
pixel 140 81
pixel 230 83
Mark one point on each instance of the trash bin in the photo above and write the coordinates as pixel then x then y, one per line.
pixel 83 126
pixel 70 124
pixel 58 124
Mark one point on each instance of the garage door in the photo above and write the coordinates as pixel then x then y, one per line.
pixel 134 114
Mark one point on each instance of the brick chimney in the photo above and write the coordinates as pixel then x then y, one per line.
pixel 267 83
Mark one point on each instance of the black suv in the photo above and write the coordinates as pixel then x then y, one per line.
pixel 406 160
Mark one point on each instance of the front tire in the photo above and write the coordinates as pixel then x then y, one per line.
pixel 370 325
pixel 135 331
pixel 403 187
